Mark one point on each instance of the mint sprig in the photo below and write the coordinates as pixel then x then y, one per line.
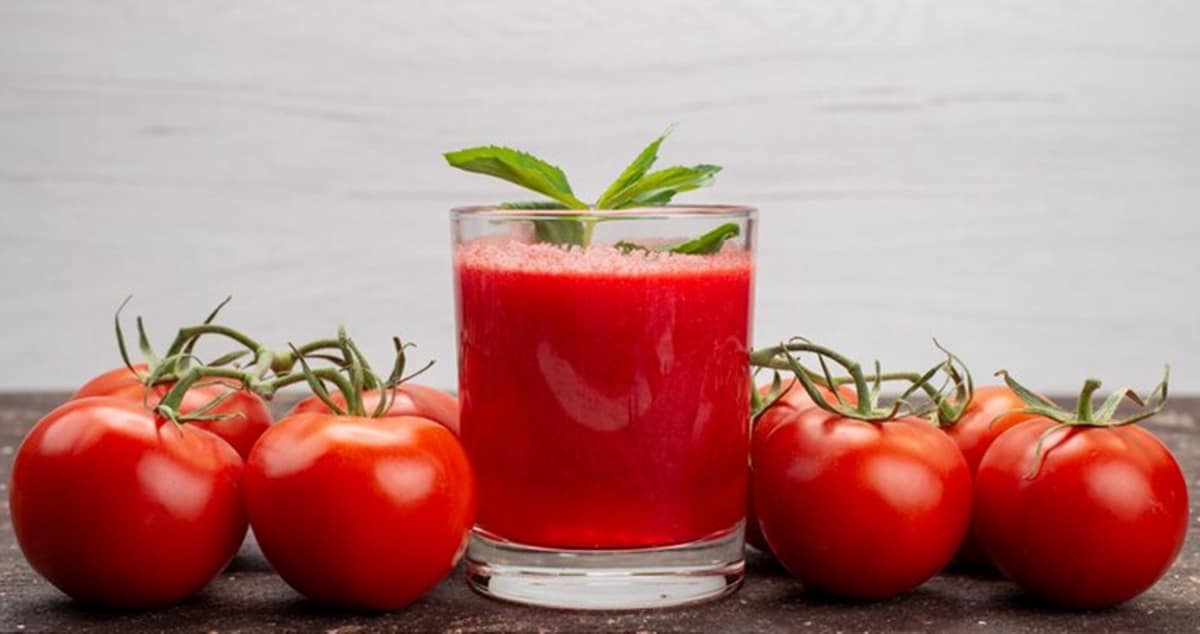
pixel 517 167
pixel 636 186
pixel 637 169
pixel 658 188
pixel 705 244
pixel 710 242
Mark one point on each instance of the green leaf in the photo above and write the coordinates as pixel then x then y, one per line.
pixel 533 204
pixel 517 167
pixel 554 230
pixel 636 170
pixel 144 343
pixel 635 187
pixel 657 188
pixel 563 231
pixel 705 244
pixel 710 242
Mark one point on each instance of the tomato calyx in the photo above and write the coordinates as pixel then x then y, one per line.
pixel 264 374
pixel 350 373
pixel 164 370
pixel 944 403
pixel 1084 415
pixel 360 377
pixel 180 355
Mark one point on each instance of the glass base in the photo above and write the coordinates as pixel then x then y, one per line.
pixel 606 579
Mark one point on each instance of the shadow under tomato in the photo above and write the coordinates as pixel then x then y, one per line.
pixel 248 562
pixel 920 600
pixel 809 596
pixel 68 607
pixel 1021 600
pixel 65 610
pixel 978 572
pixel 762 564
pixel 305 608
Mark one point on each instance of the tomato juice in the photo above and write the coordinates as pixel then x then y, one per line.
pixel 605 398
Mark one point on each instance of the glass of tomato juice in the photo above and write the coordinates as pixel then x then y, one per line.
pixel 604 383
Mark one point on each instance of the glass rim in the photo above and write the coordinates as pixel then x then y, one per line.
pixel 662 212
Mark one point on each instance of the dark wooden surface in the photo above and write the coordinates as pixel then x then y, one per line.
pixel 248 597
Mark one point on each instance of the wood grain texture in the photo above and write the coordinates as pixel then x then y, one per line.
pixel 1019 178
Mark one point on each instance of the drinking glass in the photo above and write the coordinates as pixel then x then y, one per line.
pixel 605 402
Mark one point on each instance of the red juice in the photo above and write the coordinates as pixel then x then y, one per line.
pixel 604 395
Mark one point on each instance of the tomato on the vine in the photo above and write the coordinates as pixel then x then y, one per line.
pixel 793 398
pixel 1085 512
pixel 119 507
pixel 410 400
pixel 855 499
pixel 860 509
pixel 239 419
pixel 991 411
pixel 360 512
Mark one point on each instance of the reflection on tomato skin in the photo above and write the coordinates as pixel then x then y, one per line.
pixel 120 508
pixel 1093 521
pixel 411 399
pixel 360 513
pixel 245 415
pixel 836 496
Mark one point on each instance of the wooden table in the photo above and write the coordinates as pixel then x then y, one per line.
pixel 248 597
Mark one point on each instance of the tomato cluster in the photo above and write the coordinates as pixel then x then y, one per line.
pixel 865 504
pixel 138 491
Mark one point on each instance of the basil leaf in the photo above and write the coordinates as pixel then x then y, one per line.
pixel 636 170
pixel 657 188
pixel 517 167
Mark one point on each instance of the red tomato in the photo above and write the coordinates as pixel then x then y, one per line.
pixel 1097 523
pixel 794 398
pixel 411 400
pixel 988 415
pixel 359 512
pixel 250 414
pixel 117 507
pixel 991 412
pixel 754 535
pixel 859 509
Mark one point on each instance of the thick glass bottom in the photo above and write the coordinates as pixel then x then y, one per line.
pixel 606 579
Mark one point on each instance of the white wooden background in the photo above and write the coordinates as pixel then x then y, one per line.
pixel 1019 178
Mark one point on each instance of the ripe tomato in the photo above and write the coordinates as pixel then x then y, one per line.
pixel 991 412
pixel 358 512
pixel 117 507
pixel 250 416
pixel 1095 524
pixel 794 398
pixel 411 400
pixel 864 510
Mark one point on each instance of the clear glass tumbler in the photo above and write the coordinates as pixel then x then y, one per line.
pixel 605 402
